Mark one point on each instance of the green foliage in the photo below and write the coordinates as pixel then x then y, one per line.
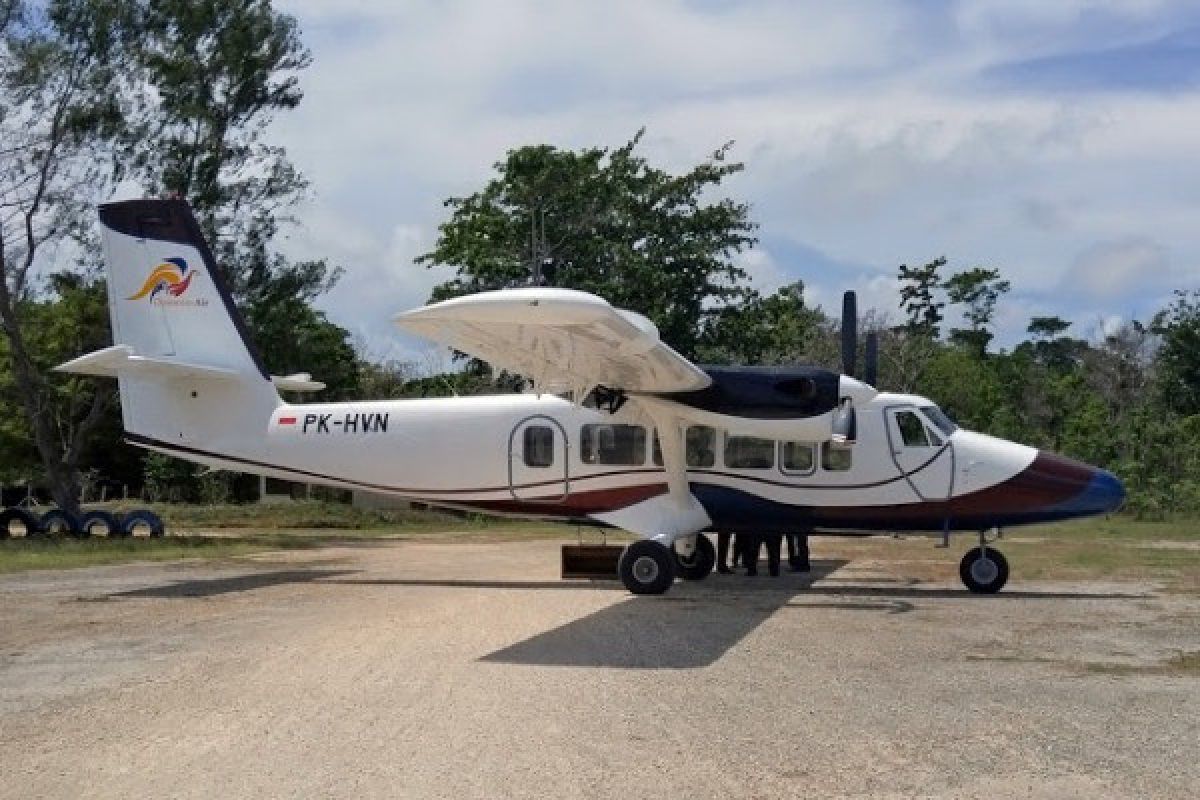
pixel 918 286
pixel 776 329
pixel 967 389
pixel 978 290
pixel 217 72
pixel 1179 358
pixel 606 222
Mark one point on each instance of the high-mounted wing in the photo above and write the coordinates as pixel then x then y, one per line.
pixel 560 338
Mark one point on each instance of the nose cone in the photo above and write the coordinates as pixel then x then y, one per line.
pixel 1090 490
pixel 1105 493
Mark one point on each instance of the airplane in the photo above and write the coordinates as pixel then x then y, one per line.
pixel 619 429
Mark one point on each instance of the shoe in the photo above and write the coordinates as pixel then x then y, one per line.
pixel 775 572
pixel 752 572
pixel 724 570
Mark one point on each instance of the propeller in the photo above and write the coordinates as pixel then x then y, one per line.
pixel 849 333
pixel 871 359
pixel 845 424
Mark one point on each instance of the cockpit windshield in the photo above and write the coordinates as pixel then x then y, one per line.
pixel 939 418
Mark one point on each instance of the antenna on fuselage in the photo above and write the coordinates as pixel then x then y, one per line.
pixel 542 268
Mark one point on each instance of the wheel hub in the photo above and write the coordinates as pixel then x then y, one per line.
pixel 645 569
pixel 984 570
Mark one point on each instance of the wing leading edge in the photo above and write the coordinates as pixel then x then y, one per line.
pixel 560 338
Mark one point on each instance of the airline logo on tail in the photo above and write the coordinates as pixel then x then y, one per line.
pixel 167 284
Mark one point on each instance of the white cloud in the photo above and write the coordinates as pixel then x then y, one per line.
pixel 1109 270
pixel 866 136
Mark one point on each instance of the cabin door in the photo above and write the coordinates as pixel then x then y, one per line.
pixel 921 453
pixel 537 460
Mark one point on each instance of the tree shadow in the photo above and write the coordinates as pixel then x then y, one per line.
pixel 691 627
pixel 239 583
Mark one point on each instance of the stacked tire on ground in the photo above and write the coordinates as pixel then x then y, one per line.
pixel 57 522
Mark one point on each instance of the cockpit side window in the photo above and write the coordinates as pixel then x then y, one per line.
pixel 912 429
pixel 939 418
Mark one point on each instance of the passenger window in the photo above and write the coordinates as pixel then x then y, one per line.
pixel 701 446
pixel 622 445
pixel 749 452
pixel 539 446
pixel 912 429
pixel 656 449
pixel 798 457
pixel 836 459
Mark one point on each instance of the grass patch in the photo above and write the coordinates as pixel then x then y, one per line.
pixel 1182 663
pixel 1114 549
pixel 305 515
pixel 1118 528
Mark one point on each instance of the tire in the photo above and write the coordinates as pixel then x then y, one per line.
pixel 142 518
pixel 984 575
pixel 19 517
pixel 57 522
pixel 647 567
pixel 701 564
pixel 96 523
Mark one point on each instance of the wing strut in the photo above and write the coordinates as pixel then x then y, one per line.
pixel 677 513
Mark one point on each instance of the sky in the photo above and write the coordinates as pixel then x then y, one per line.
pixel 1058 142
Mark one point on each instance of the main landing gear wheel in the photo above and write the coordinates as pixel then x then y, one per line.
pixel 984 570
pixel 700 563
pixel 647 567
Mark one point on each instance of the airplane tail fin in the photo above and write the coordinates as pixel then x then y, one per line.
pixel 190 378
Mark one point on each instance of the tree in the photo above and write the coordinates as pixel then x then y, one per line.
pixel 1049 347
pixel 776 329
pixel 917 298
pixel 978 290
pixel 605 222
pixel 905 351
pixel 217 72
pixel 1047 327
pixel 1179 359
pixel 62 68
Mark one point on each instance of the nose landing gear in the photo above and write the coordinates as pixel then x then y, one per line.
pixel 984 570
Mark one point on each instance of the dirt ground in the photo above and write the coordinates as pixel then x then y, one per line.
pixel 467 669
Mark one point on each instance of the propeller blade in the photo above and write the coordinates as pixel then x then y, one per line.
pixel 849 333
pixel 871 359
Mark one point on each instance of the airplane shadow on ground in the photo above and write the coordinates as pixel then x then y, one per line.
pixel 210 587
pixel 691 627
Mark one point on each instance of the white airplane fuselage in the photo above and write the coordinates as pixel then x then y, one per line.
pixel 470 452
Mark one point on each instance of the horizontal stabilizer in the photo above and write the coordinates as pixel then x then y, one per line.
pixel 121 359
pixel 298 382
